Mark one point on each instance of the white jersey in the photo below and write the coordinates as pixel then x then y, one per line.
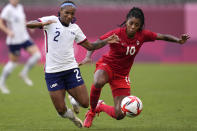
pixel 16 22
pixel 59 42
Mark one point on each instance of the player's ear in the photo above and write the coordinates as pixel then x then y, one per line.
pixel 74 20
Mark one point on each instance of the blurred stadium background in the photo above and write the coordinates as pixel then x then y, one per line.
pixel 97 17
pixel 164 75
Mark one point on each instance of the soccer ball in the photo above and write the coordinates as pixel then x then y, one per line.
pixel 131 106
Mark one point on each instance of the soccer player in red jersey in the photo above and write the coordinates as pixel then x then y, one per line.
pixel 114 67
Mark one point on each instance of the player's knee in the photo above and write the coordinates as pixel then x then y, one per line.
pixel 37 55
pixel 85 104
pixel 99 83
pixel 60 110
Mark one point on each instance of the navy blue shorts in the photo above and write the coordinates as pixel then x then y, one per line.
pixel 15 49
pixel 64 80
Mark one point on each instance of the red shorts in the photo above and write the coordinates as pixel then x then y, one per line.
pixel 120 85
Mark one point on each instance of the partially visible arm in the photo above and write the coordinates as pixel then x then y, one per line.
pixel 166 37
pixel 5 29
pixel 87 58
pixel 96 45
pixel 100 43
pixel 37 24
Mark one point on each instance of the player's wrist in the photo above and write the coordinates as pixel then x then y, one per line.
pixel 88 57
pixel 43 24
pixel 180 41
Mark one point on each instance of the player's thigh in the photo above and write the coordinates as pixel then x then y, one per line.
pixel 14 52
pixel 58 99
pixel 31 48
pixel 102 75
pixel 120 87
pixel 80 94
pixel 13 57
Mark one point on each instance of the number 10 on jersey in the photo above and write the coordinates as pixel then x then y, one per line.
pixel 130 50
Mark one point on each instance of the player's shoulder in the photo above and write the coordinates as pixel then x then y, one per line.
pixel 52 17
pixel 20 6
pixel 115 31
pixel 7 7
pixel 147 35
pixel 74 26
pixel 145 31
pixel 11 7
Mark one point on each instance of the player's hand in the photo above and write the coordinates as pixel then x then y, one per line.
pixel 184 38
pixel 10 34
pixel 49 22
pixel 85 61
pixel 113 39
pixel 32 30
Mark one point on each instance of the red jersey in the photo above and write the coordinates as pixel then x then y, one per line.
pixel 121 55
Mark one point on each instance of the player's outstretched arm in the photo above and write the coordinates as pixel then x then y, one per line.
pixel 183 38
pixel 96 45
pixel 88 59
pixel 38 24
pixel 100 43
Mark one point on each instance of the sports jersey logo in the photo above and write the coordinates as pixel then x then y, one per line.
pixel 73 33
pixel 54 85
pixel 127 79
pixel 137 42
pixel 123 44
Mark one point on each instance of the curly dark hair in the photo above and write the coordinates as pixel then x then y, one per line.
pixel 137 13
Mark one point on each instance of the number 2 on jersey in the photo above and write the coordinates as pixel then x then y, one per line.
pixel 56 36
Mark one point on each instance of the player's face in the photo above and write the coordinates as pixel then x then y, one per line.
pixel 14 2
pixel 66 14
pixel 133 25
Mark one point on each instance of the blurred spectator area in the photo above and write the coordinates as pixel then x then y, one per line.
pixel 103 2
pixel 96 17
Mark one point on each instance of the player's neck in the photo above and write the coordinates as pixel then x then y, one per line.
pixel 130 35
pixel 64 24
pixel 14 4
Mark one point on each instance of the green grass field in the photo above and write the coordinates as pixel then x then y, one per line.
pixel 168 93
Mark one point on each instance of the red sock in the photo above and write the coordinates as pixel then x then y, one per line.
pixel 94 97
pixel 109 110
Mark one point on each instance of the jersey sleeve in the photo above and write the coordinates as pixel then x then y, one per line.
pixel 80 37
pixel 45 19
pixel 149 36
pixel 5 13
pixel 106 35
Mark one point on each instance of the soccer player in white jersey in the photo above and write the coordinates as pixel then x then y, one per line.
pixel 62 73
pixel 17 38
